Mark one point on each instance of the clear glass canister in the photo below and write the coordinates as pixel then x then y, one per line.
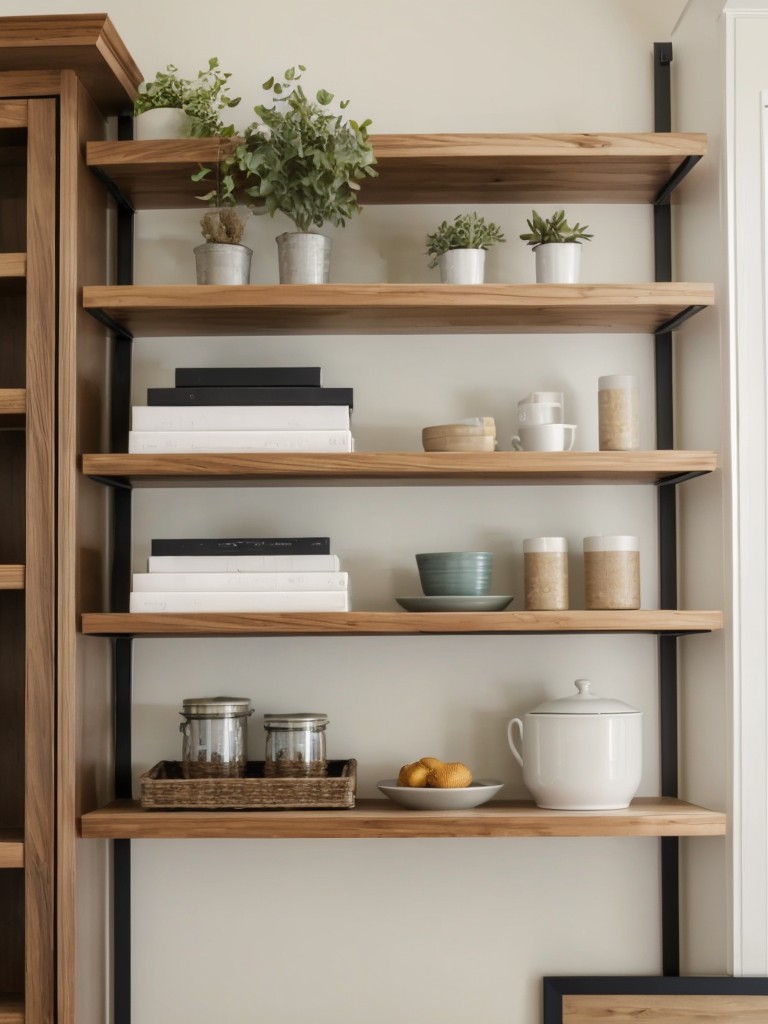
pixel 215 735
pixel 295 745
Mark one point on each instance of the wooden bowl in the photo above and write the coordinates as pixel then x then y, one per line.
pixel 458 443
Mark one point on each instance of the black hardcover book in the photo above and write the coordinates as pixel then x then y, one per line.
pixel 243 546
pixel 249 396
pixel 248 376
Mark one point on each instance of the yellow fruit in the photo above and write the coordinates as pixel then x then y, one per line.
pixel 431 762
pixel 414 775
pixel 449 776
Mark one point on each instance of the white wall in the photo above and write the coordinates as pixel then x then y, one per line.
pixel 405 930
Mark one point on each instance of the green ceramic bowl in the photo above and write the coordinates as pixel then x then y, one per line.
pixel 446 573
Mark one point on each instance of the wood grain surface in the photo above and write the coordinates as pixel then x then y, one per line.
pixel 445 168
pixel 665 1009
pixel 201 310
pixel 11 848
pixel 11 577
pixel 413 467
pixel 13 264
pixel 381 819
pixel 11 1009
pixel 396 623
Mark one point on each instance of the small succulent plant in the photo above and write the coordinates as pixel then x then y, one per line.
pixel 554 229
pixel 467 231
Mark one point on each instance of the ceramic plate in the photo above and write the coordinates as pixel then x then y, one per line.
pixel 418 799
pixel 459 603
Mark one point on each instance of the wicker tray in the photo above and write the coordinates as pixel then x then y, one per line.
pixel 164 788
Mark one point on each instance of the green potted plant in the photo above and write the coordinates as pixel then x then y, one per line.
pixel 557 246
pixel 307 162
pixel 459 248
pixel 222 258
pixel 170 106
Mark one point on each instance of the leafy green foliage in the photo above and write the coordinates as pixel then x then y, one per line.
pixel 203 98
pixel 301 158
pixel 468 231
pixel 553 229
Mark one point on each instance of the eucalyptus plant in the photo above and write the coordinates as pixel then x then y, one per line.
pixel 467 231
pixel 553 229
pixel 203 99
pixel 301 158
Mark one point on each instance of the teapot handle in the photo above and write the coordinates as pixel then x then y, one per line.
pixel 517 754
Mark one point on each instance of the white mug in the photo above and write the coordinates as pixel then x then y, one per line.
pixel 545 437
pixel 531 414
pixel 543 396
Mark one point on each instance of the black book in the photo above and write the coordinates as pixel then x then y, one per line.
pixel 248 376
pixel 243 546
pixel 249 396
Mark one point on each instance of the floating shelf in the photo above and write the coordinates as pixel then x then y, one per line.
pixel 203 310
pixel 11 578
pixel 11 854
pixel 395 623
pixel 381 819
pixel 403 467
pixel 480 168
pixel 11 1009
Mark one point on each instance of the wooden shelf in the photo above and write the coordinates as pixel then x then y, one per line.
pixel 13 402
pixel 479 168
pixel 11 1009
pixel 11 577
pixel 13 264
pixel 381 819
pixel 395 623
pixel 11 852
pixel 84 43
pixel 204 310
pixel 404 467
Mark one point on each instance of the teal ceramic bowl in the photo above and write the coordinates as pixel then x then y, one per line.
pixel 452 573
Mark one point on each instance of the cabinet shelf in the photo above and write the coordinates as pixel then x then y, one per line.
pixel 11 1009
pixel 13 264
pixel 209 310
pixel 181 624
pixel 12 577
pixel 381 819
pixel 446 168
pixel 11 854
pixel 402 467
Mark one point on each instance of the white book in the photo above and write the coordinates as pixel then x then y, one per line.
pixel 239 441
pixel 247 601
pixel 240 417
pixel 243 563
pixel 228 582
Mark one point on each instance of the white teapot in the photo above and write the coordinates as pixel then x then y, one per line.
pixel 580 753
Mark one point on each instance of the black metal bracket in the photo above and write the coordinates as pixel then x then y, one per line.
pixel 677 321
pixel 112 325
pixel 122 201
pixel 662 199
pixel 112 481
pixel 681 478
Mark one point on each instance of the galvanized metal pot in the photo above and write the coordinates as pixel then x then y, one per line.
pixel 303 257
pixel 223 263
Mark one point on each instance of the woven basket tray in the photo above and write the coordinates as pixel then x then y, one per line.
pixel 164 788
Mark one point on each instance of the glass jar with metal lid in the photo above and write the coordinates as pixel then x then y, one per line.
pixel 215 734
pixel 295 745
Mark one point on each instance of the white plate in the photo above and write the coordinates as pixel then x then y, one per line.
pixel 456 603
pixel 425 799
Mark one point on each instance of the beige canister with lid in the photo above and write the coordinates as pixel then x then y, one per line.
pixel 612 572
pixel 545 568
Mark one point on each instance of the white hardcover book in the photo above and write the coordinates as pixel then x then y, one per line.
pixel 228 582
pixel 243 563
pixel 247 601
pixel 156 441
pixel 240 417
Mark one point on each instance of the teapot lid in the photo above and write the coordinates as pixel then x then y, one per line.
pixel 584 703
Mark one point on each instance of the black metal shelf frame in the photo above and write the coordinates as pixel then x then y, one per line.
pixel 667 523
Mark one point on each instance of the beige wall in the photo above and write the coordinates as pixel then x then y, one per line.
pixel 406 930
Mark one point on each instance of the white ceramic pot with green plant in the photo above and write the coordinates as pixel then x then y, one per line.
pixel 459 248
pixel 557 246
pixel 305 161
pixel 172 107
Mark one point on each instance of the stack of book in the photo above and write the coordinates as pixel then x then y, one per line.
pixel 241 574
pixel 244 409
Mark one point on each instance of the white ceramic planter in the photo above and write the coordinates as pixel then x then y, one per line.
pixel 581 753
pixel 222 263
pixel 161 123
pixel 558 262
pixel 462 266
pixel 303 257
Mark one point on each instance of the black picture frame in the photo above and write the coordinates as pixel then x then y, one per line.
pixel 556 988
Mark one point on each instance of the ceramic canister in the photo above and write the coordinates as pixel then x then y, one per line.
pixel 580 753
